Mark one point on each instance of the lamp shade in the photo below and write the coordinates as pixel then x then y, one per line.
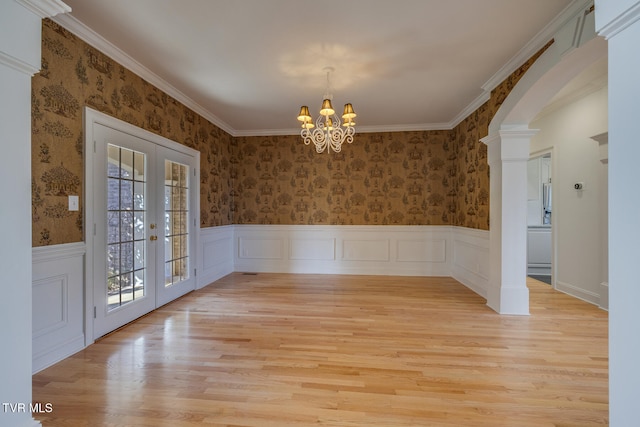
pixel 348 112
pixel 327 108
pixel 329 123
pixel 304 115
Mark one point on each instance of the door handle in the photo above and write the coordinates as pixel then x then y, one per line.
pixel 153 238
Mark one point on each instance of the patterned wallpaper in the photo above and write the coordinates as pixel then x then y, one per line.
pixel 399 178
pixel 408 178
pixel 74 75
pixel 380 179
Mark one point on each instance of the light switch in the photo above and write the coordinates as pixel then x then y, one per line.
pixel 73 203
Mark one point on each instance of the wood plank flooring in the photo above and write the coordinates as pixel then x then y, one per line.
pixel 346 351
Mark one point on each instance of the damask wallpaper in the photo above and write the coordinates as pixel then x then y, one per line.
pixel 406 178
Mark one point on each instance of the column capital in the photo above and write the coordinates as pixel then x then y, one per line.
pixel 509 144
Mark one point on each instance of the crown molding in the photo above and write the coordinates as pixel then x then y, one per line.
pixel 621 22
pixel 533 46
pixel 103 45
pixel 359 129
pixel 469 109
pixel 536 43
pixel 405 128
pixel 45 8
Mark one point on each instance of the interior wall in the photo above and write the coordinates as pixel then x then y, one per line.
pixel 75 74
pixel 394 178
pixel 577 214
pixel 403 178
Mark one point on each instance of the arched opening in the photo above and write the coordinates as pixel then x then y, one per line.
pixel 509 151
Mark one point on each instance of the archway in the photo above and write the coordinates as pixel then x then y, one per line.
pixel 508 153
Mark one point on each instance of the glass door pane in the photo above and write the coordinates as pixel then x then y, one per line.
pixel 126 216
pixel 176 219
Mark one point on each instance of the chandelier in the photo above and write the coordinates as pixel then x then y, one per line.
pixel 328 131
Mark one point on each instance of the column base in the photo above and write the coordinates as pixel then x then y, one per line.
pixel 506 300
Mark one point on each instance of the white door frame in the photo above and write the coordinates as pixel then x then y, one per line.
pixel 90 117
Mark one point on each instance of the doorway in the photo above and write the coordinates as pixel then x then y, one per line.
pixel 141 216
pixel 540 217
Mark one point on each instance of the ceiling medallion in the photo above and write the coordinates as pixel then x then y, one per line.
pixel 327 131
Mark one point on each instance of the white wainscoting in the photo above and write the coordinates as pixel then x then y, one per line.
pixel 58 303
pixel 215 254
pixel 470 265
pixel 378 250
pixel 58 271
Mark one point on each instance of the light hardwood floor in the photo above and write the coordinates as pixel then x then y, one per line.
pixel 319 350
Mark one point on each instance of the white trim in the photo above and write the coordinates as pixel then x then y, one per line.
pixel 537 43
pixel 621 22
pixel 58 330
pixel 470 263
pixel 45 8
pixel 103 45
pixel 466 112
pixel 344 249
pixel 92 117
pixel 448 251
pixel 215 254
pixel 58 252
pixel 17 64
pixel 604 296
pixel 543 37
pixel 457 252
pixel 577 292
pixel 368 129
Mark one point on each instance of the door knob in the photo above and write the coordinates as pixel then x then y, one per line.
pixel 152 238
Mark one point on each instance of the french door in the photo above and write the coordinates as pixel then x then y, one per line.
pixel 143 226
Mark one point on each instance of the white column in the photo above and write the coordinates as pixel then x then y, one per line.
pixel 508 155
pixel 619 22
pixel 20 40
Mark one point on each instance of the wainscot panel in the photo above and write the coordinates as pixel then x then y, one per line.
pixel 343 249
pixel 470 264
pixel 58 303
pixel 215 257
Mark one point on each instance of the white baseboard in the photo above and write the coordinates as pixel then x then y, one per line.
pixel 604 296
pixel 575 291
pixel 56 353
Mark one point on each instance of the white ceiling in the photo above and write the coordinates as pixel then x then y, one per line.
pixel 248 65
